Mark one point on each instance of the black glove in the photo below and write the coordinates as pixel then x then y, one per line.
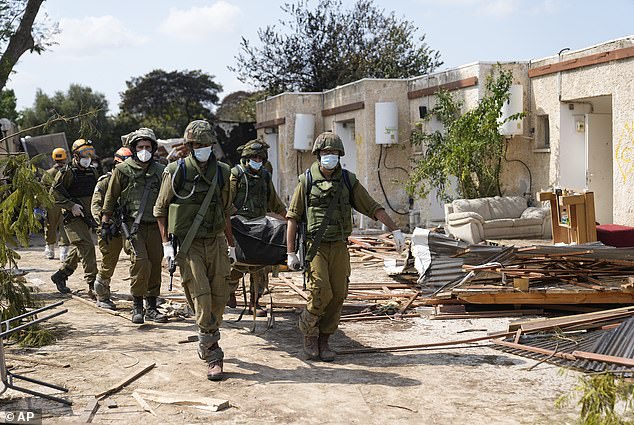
pixel 106 232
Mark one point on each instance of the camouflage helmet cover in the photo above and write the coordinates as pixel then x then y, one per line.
pixel 125 139
pixel 199 131
pixel 328 140
pixel 142 133
pixel 253 148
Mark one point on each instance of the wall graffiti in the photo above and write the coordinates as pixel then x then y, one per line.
pixel 624 151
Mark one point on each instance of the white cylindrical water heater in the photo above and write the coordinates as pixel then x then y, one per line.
pixel 304 132
pixel 386 123
pixel 515 105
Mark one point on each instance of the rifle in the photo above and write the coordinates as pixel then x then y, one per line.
pixel 301 249
pixel 119 217
pixel 171 265
pixel 87 217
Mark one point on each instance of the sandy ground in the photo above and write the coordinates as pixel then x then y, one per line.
pixel 267 381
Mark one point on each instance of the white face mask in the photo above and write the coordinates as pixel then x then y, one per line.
pixel 255 165
pixel 85 162
pixel 144 155
pixel 329 162
pixel 202 154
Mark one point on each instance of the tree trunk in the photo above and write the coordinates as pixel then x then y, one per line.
pixel 19 42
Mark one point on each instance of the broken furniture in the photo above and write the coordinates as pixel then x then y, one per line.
pixel 500 217
pixel 572 216
pixel 7 376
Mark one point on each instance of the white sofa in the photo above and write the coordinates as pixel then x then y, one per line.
pixel 501 217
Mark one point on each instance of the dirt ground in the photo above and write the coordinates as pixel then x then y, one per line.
pixel 267 381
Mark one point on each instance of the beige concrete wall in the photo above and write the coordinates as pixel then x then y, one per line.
pixel 612 78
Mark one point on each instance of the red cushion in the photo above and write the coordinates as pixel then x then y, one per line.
pixel 616 235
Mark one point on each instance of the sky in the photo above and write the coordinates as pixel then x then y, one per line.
pixel 103 44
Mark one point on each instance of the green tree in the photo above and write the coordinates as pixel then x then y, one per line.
pixel 168 101
pixel 19 33
pixel 470 148
pixel 321 48
pixel 76 101
pixel 7 105
pixel 239 106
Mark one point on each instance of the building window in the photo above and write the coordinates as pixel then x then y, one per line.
pixel 542 133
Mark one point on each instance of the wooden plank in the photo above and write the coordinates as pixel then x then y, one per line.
pixel 624 361
pixel 289 282
pixel 89 411
pixel 453 85
pixel 533 325
pixel 144 405
pixel 407 304
pixel 343 108
pixel 534 297
pixel 427 345
pixel 131 378
pixel 204 403
pixel 372 318
pixel 270 123
pixel 537 350
pixel 584 61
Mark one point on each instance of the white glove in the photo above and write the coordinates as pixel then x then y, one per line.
pixel 232 254
pixel 77 210
pixel 292 261
pixel 399 240
pixel 168 251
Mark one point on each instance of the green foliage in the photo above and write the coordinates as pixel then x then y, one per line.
pixel 321 48
pixel 87 110
pixel 604 399
pixel 7 105
pixel 239 106
pixel 469 149
pixel 168 101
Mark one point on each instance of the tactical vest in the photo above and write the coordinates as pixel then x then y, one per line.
pixel 84 181
pixel 318 197
pixel 186 180
pixel 135 179
pixel 252 193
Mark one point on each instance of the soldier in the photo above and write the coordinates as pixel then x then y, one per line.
pixel 134 187
pixel 72 191
pixel 112 244
pixel 54 229
pixel 253 195
pixel 323 199
pixel 194 205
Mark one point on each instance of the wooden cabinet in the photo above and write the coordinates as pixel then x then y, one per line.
pixel 573 220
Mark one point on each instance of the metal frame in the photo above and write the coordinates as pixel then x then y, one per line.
pixel 7 376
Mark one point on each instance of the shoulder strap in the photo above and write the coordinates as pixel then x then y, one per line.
pixel 139 215
pixel 189 237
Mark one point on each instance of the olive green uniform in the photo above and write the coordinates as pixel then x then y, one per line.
pixel 125 189
pixel 74 185
pixel 329 271
pixel 54 228
pixel 109 251
pixel 253 196
pixel 205 266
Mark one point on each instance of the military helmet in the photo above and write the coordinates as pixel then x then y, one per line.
pixel 122 154
pixel 59 154
pixel 83 148
pixel 199 131
pixel 253 148
pixel 142 133
pixel 328 140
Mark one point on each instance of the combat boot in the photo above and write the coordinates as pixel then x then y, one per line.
pixel 106 303
pixel 214 370
pixel 49 251
pixel 311 347
pixel 91 291
pixel 59 279
pixel 325 353
pixel 152 312
pixel 137 310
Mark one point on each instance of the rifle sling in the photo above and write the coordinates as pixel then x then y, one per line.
pixel 189 237
pixel 324 224
pixel 139 215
